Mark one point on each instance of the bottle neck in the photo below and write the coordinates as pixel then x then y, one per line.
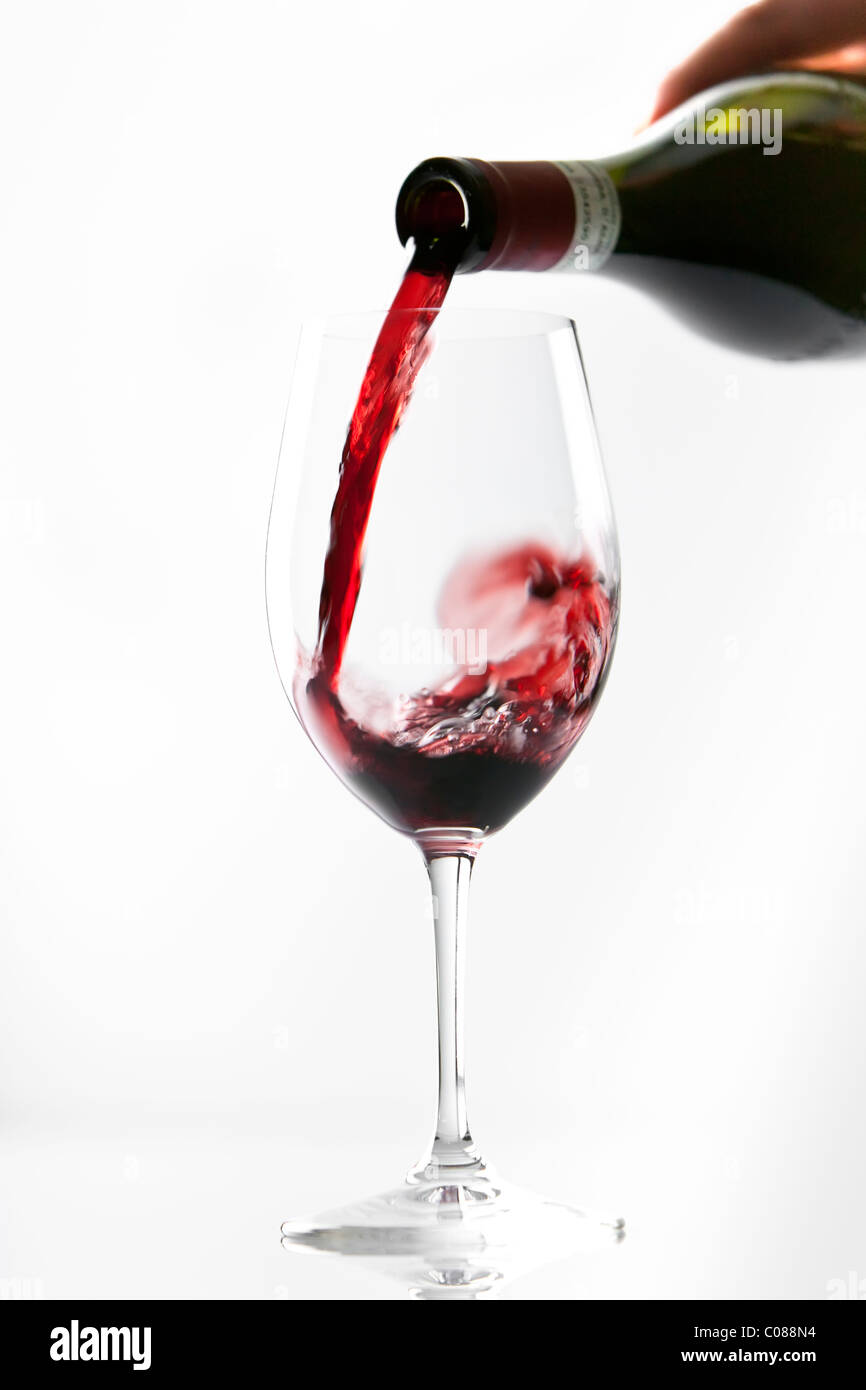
pixel 516 215
pixel 534 215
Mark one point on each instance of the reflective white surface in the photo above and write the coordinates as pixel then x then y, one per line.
pixel 195 1213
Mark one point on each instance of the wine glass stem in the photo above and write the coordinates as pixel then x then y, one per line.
pixel 449 882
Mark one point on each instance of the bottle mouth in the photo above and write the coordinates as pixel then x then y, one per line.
pixel 436 207
pixel 445 206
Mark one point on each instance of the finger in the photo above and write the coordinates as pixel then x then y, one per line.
pixel 850 59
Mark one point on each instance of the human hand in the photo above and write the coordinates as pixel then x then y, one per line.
pixel 816 34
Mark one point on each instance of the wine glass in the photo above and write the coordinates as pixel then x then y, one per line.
pixel 477 649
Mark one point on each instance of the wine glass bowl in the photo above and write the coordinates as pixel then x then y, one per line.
pixel 487 614
pixel 452 655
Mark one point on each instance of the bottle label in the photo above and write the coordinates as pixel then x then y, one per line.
pixel 598 217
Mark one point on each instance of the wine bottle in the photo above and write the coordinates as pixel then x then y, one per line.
pixel 745 209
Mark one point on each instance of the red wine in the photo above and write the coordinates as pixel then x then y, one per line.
pixel 749 223
pixel 397 357
pixel 471 753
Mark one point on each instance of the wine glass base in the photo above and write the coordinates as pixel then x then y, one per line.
pixel 457 1238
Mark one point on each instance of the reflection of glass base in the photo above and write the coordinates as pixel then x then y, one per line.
pixel 457 1239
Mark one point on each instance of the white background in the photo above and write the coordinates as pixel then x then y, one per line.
pixel 215 967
